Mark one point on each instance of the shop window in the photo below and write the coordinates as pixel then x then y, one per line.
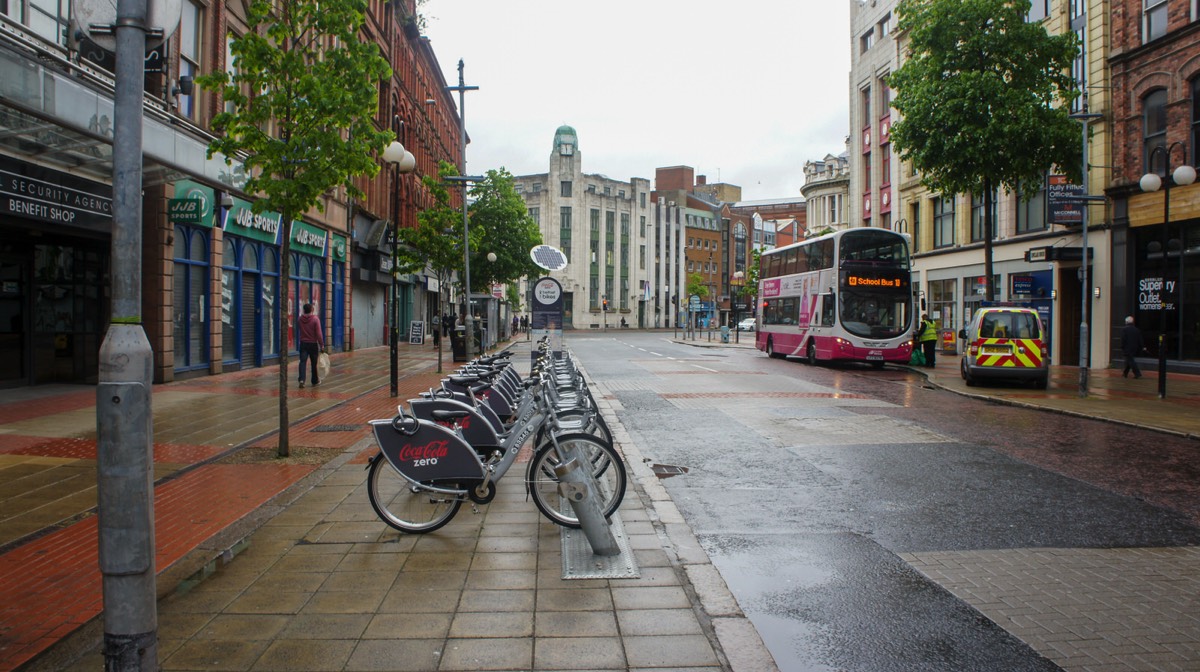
pixel 942 298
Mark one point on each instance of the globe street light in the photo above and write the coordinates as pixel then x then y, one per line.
pixel 1151 182
pixel 404 162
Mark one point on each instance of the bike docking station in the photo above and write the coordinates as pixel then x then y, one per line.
pixel 599 548
pixel 602 550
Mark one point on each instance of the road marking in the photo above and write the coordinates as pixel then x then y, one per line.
pixel 704 368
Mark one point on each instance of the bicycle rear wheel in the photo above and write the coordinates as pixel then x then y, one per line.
pixel 405 506
pixel 607 467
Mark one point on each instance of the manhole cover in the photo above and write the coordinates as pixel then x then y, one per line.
pixel 667 470
pixel 335 428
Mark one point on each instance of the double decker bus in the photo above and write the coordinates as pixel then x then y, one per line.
pixel 845 296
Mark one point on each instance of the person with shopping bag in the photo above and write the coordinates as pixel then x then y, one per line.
pixel 312 342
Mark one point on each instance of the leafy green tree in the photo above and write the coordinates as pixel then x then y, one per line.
pixel 433 242
pixel 984 98
pixel 500 225
pixel 696 286
pixel 300 108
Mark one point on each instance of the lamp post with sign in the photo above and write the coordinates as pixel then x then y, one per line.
pixel 1150 182
pixel 1084 118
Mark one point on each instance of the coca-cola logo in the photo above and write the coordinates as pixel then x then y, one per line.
pixel 430 451
pixel 464 423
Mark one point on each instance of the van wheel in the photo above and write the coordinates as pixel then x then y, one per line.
pixel 1040 383
pixel 966 375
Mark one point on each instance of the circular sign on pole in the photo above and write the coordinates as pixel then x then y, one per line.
pixel 547 291
pixel 548 257
pixel 98 19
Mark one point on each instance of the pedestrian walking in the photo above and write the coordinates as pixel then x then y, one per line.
pixel 927 338
pixel 1132 345
pixel 312 342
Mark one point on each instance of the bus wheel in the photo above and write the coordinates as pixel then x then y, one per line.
pixel 771 349
pixel 811 354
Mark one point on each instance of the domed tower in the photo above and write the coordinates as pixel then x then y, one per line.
pixel 565 141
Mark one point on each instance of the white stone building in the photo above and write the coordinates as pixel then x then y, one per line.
pixel 606 229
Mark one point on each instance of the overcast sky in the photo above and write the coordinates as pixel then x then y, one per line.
pixel 744 92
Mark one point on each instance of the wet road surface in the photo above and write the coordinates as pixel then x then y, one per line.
pixel 854 513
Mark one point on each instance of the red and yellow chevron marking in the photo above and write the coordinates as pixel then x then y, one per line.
pixel 1012 352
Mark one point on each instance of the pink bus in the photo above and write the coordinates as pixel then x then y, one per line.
pixel 846 296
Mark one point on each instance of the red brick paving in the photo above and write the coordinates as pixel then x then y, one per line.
pixel 85 449
pixel 52 586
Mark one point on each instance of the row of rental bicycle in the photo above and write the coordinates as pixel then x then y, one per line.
pixel 454 443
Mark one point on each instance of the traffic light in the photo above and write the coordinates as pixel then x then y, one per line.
pixel 606 305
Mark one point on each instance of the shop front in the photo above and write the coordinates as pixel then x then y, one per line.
pixel 1164 284
pixel 54 274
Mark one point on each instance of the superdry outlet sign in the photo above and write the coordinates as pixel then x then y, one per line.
pixel 34 192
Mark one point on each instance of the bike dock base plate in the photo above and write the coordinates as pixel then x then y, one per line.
pixel 579 562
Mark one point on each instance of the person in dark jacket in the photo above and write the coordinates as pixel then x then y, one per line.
pixel 1132 345
pixel 312 342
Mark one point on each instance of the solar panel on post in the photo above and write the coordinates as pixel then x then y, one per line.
pixel 548 257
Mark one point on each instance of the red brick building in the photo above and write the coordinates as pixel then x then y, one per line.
pixel 1155 67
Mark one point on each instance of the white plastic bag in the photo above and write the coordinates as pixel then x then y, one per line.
pixel 323 365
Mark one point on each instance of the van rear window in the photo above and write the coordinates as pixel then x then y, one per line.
pixel 1009 325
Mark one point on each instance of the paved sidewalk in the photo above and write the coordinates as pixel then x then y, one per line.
pixel 282 564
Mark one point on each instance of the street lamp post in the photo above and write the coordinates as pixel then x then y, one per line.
pixel 462 89
pixel 736 294
pixel 404 162
pixel 1150 182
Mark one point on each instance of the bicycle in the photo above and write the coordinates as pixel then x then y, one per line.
pixel 425 470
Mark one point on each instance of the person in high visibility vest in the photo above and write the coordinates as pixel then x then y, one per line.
pixel 927 338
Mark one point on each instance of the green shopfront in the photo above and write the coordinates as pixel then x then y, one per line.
pixel 242 249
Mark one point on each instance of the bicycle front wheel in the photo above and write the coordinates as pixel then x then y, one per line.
pixel 404 505
pixel 607 467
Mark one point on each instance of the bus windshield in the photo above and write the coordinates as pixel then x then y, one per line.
pixel 876 294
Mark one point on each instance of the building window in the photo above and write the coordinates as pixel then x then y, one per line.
pixel 885 166
pixel 943 221
pixel 564 230
pixel 867 40
pixel 48 18
pixel 885 26
pixel 1031 207
pixel 190 40
pixel 977 220
pixel 536 215
pixel 594 215
pixel 1195 120
pixel 1154 19
pixel 537 187
pixel 914 226
pixel 566 189
pixel 1038 11
pixel 1154 129
pixel 230 66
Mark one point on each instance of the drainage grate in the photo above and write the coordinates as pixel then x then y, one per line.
pixel 335 428
pixel 667 470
